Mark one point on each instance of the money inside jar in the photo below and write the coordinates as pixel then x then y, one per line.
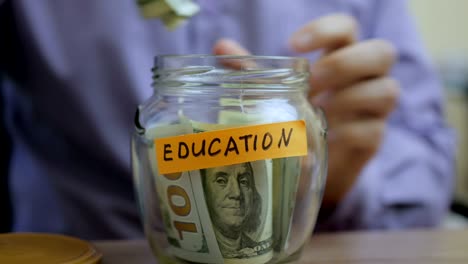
pixel 224 214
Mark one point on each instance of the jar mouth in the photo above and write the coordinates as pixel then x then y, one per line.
pixel 233 71
pixel 165 57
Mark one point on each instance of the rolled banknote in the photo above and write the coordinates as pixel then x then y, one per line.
pixel 285 171
pixel 185 216
pixel 171 12
pixel 239 200
pixel 239 213
pixel 215 215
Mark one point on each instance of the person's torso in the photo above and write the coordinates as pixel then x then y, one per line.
pixel 88 67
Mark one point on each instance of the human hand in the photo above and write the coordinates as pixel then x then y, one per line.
pixel 350 83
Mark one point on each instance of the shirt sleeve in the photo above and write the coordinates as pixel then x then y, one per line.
pixel 409 182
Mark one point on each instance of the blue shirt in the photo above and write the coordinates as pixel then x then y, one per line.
pixel 86 66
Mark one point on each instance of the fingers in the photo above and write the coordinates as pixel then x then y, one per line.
pixel 351 146
pixel 363 136
pixel 349 82
pixel 344 167
pixel 369 99
pixel 229 47
pixel 329 32
pixel 344 67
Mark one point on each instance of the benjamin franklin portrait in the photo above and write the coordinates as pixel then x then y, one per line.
pixel 234 205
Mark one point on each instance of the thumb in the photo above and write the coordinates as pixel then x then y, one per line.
pixel 229 47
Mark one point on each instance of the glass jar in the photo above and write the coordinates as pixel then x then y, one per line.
pixel 229 159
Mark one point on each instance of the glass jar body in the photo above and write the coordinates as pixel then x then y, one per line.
pixel 257 211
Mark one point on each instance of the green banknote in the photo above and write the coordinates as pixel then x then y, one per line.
pixel 240 213
pixel 239 200
pixel 185 215
pixel 171 12
pixel 285 171
pixel 215 215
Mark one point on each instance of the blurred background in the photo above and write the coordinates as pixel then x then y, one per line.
pixel 447 41
pixel 440 26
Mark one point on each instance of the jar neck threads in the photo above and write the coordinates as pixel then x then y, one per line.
pixel 209 72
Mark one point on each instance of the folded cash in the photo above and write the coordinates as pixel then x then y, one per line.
pixel 188 227
pixel 202 228
pixel 201 224
pixel 246 211
pixel 285 172
pixel 171 12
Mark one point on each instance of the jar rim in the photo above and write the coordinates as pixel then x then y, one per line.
pixel 233 57
pixel 233 71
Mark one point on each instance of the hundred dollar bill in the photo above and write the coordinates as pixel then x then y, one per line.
pixel 185 215
pixel 239 201
pixel 285 171
pixel 234 216
pixel 230 207
pixel 171 12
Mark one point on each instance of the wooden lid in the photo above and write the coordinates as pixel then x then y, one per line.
pixel 16 248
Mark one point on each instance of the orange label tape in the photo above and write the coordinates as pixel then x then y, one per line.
pixel 230 146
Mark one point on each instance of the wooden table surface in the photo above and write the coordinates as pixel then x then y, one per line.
pixel 402 247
